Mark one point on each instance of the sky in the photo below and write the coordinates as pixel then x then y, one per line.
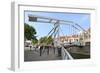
pixel 42 29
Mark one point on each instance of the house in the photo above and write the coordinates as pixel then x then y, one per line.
pixel 82 37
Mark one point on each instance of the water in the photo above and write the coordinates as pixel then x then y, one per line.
pixel 80 56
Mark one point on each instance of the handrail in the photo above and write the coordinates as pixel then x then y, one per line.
pixel 66 55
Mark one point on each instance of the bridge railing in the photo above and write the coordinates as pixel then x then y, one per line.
pixel 66 55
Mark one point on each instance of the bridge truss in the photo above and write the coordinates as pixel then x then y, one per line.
pixel 55 31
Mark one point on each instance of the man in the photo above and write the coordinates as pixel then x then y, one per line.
pixel 30 47
pixel 59 50
pixel 41 48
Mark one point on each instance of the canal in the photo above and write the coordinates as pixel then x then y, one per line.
pixel 79 56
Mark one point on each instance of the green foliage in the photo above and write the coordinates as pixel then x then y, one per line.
pixel 46 40
pixel 49 40
pixel 34 41
pixel 43 39
pixel 29 32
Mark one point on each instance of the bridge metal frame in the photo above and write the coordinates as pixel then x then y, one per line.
pixel 57 23
pixel 58 20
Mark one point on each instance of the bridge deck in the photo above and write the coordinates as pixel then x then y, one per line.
pixel 34 55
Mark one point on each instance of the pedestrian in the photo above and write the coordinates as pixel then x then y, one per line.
pixel 41 48
pixel 30 47
pixel 54 48
pixel 48 49
pixel 59 51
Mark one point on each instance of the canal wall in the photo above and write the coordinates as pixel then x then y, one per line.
pixel 85 50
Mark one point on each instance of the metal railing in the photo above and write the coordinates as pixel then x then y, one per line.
pixel 66 55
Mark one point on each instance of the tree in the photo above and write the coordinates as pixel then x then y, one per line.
pixel 29 32
pixel 34 41
pixel 43 40
pixel 46 40
pixel 49 40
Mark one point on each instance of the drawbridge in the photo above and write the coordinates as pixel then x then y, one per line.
pixel 56 30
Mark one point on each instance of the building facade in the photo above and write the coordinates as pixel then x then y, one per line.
pixel 83 38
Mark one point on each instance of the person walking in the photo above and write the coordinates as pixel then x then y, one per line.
pixel 41 48
pixel 59 50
